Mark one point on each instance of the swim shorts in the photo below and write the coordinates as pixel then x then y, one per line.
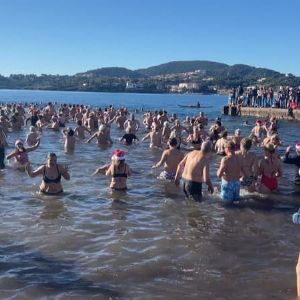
pixel 230 190
pixel 164 175
pixel 192 190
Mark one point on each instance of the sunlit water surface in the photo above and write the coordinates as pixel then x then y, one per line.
pixel 150 242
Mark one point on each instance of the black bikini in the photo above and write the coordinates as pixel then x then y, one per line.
pixel 116 175
pixel 49 180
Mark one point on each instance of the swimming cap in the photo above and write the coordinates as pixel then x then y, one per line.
pixel 18 142
pixel 118 155
pixel 298 146
pixel 166 124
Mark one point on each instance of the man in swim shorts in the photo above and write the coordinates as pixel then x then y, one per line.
pixel 230 170
pixel 170 158
pixel 195 166
pixel 250 164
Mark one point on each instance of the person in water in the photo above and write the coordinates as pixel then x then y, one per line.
pixel 250 164
pixel 3 144
pixel 230 170
pixel 170 159
pixel 195 166
pixel 129 137
pixel 69 136
pixel 118 171
pixel 270 170
pixel 294 160
pixel 20 154
pixel 32 137
pixel 52 173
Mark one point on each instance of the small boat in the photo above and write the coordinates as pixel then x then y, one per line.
pixel 195 106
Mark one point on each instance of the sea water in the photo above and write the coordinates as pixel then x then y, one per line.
pixel 149 243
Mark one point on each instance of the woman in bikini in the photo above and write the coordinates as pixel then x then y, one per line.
pixel 118 170
pixel 20 154
pixel 270 169
pixel 52 173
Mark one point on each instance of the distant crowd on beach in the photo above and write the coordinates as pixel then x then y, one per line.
pixel 285 97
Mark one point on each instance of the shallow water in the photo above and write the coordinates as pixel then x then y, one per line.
pixel 148 243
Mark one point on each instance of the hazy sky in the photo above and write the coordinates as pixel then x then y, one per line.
pixel 70 36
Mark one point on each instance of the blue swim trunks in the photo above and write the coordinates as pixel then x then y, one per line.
pixel 230 190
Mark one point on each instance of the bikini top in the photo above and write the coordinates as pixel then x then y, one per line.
pixel 116 175
pixel 49 180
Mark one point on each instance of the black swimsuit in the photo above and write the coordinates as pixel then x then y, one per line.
pixel 49 180
pixel 116 175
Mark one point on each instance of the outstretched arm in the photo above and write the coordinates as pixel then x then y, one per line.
pixel 92 137
pixel 161 162
pixel 35 146
pixel 37 172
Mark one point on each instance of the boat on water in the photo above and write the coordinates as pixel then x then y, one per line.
pixel 198 105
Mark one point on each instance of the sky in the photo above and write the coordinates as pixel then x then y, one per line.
pixel 71 36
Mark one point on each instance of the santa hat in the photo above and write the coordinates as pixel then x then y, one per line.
pixel 118 155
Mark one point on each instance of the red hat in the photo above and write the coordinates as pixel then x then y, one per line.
pixel 258 122
pixel 298 146
pixel 118 155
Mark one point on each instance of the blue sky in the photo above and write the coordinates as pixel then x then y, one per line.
pixel 70 36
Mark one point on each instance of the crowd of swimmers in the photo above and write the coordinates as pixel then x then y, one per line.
pixel 187 147
pixel 261 96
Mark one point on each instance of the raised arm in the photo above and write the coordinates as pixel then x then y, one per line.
pixel 64 172
pixel 92 137
pixel 146 137
pixel 35 146
pixel 37 172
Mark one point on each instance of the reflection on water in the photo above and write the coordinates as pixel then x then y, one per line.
pixel 149 242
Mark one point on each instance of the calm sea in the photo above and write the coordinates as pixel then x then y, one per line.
pixel 149 243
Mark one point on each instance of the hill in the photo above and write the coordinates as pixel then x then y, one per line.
pixel 197 76
pixel 111 72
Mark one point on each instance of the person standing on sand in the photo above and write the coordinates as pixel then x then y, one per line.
pixel 195 167
pixel 230 170
pixel 170 158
